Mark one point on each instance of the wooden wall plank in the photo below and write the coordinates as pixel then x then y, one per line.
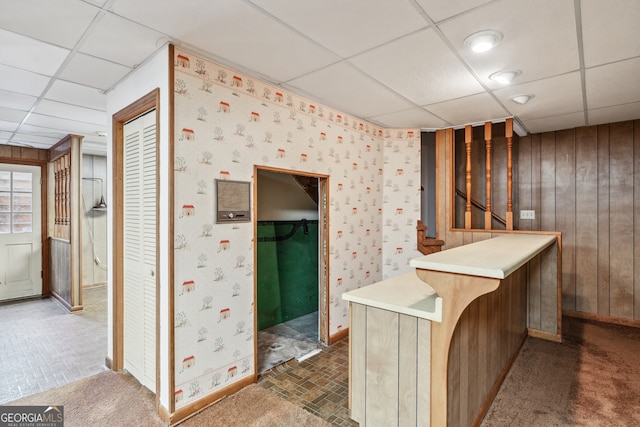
pixel 636 221
pixel 566 211
pixel 549 286
pixel 547 164
pixel 536 180
pixel 382 367
pixel 454 384
pixel 408 375
pixel 586 224
pixel 603 221
pixel 534 293
pixel 621 216
pixel 424 373
pixel 357 360
pixel 524 190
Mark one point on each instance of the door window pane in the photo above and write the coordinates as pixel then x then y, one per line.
pixel 5 223
pixel 5 181
pixel 22 182
pixel 22 223
pixel 16 202
pixel 5 202
pixel 22 202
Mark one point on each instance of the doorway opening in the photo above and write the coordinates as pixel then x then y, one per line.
pixel 291 287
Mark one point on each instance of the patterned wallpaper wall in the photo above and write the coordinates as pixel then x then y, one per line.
pixel 227 122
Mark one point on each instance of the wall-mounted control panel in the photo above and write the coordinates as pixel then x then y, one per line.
pixel 233 201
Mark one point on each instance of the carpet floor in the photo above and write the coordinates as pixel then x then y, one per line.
pixel 117 399
pixel 591 379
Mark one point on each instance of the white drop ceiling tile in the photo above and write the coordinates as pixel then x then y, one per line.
pixel 348 27
pixel 29 54
pixel 413 72
pixel 29 139
pixel 235 34
pixel 8 126
pixel 546 101
pixel 553 123
pixel 610 30
pixel 4 135
pixel 11 115
pixel 617 113
pixel 414 118
pixel 539 41
pixel 94 72
pixel 66 125
pixel 439 10
pixel 76 94
pixel 122 41
pixel 343 85
pixel 470 109
pixel 612 84
pixel 15 100
pixel 59 22
pixel 58 109
pixel 45 132
pixel 15 80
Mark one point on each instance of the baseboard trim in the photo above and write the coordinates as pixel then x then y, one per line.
pixel 602 318
pixel 343 333
pixel 108 363
pixel 549 336
pixel 193 408
pixel 61 301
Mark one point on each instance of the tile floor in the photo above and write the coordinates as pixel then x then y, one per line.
pixel 43 346
pixel 319 384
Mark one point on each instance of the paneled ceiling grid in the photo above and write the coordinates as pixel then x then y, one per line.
pixel 397 63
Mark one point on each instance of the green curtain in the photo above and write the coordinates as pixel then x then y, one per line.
pixel 287 272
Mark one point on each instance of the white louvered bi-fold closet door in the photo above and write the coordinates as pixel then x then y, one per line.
pixel 140 201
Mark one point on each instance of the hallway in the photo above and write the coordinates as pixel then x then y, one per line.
pixel 43 346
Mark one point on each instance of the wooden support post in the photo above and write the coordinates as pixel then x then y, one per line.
pixel 468 133
pixel 487 142
pixel 509 135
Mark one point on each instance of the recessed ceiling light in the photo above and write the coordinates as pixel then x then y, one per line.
pixel 522 99
pixel 505 77
pixel 482 41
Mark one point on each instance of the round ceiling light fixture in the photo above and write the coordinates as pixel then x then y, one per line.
pixel 483 41
pixel 522 99
pixel 505 77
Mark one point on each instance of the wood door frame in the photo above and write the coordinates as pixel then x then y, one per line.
pixel 44 237
pixel 143 105
pixel 323 253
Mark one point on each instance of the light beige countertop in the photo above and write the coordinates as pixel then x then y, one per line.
pixel 496 258
pixel 405 294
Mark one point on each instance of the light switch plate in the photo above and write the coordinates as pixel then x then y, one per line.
pixel 527 214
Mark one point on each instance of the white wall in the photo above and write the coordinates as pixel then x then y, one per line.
pixel 280 198
pixel 94 222
pixel 147 77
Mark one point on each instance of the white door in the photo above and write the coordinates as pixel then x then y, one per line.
pixel 140 249
pixel 20 231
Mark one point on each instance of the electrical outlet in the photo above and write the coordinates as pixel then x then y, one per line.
pixel 524 214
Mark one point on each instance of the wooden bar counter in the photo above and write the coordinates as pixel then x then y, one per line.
pixel 432 346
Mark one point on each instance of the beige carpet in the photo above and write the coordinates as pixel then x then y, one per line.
pixel 592 379
pixel 115 399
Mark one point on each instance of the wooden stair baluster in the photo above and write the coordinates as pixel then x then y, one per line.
pixel 487 142
pixel 467 141
pixel 509 135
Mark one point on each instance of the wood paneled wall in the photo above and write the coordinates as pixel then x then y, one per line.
pixel 585 183
pixel 488 335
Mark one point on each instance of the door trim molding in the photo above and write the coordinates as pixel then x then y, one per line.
pixel 146 103
pixel 323 253
pixel 44 236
